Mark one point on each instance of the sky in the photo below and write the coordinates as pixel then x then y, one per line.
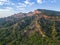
pixel 10 7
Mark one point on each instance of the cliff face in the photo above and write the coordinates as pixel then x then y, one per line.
pixel 41 27
pixel 47 14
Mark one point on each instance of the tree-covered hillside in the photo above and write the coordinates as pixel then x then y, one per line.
pixel 41 28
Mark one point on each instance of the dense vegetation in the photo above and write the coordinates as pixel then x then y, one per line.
pixel 30 30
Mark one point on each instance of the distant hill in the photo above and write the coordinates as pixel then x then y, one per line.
pixel 40 27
